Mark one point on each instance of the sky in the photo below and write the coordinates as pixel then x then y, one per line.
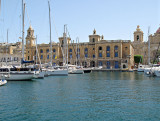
pixel 114 19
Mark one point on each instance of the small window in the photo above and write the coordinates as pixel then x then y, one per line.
pixel 47 56
pixel 93 40
pixel 108 48
pixel 86 55
pixel 93 56
pixel 54 56
pixel 116 54
pixel 100 48
pixel 100 54
pixel 54 50
pixel 41 51
pixel 137 37
pixel 70 55
pixel 108 54
pixel 86 50
pixel 70 50
pixel 41 56
pixel 47 50
pixel 116 48
pixel 93 48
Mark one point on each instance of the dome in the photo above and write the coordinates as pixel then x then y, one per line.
pixel 158 31
pixel 30 28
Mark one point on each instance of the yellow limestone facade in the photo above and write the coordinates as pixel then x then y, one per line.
pixel 109 54
pixel 141 47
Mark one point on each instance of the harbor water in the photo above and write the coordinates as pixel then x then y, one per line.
pixel 99 96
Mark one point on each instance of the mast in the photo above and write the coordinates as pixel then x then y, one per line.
pixel 36 49
pixel 148 46
pixel 76 50
pixel 67 46
pixel 23 12
pixel 50 33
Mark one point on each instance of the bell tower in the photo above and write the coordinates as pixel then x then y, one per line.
pixel 30 39
pixel 138 35
pixel 94 38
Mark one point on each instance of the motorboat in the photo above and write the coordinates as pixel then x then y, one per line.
pixel 17 74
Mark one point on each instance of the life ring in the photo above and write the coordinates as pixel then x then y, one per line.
pixel 18 69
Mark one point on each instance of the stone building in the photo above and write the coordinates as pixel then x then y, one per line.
pixel 110 54
pixel 141 47
pixel 10 53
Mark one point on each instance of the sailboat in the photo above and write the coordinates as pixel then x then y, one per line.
pixel 75 69
pixel 19 73
pixel 51 70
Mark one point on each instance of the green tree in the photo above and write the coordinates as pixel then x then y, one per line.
pixel 138 59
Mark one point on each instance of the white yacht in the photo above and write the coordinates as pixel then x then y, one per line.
pixel 17 74
pixel 72 69
pixel 141 67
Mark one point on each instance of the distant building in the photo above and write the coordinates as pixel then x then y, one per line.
pixel 10 53
pixel 110 54
pixel 141 47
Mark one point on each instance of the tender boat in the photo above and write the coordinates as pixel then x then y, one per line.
pixel 3 82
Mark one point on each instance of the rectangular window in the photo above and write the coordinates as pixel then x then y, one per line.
pixel 100 63
pixel 86 55
pixel 116 54
pixel 108 54
pixel 108 64
pixel 41 56
pixel 47 56
pixel 93 56
pixel 100 54
pixel 70 55
pixel 28 57
pixel 41 51
pixel 116 64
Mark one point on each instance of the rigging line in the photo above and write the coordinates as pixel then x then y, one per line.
pixel 55 28
pixel 13 20
pixel 28 17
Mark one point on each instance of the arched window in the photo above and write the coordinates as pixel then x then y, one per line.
pixel 54 50
pixel 108 48
pixel 41 51
pixel 93 40
pixel 70 50
pixel 86 49
pixel 116 51
pixel 116 47
pixel 100 48
pixel 137 37
pixel 47 50
pixel 100 51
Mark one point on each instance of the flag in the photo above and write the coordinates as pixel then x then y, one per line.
pixel 56 57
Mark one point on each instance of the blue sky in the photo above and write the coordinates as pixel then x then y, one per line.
pixel 115 19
